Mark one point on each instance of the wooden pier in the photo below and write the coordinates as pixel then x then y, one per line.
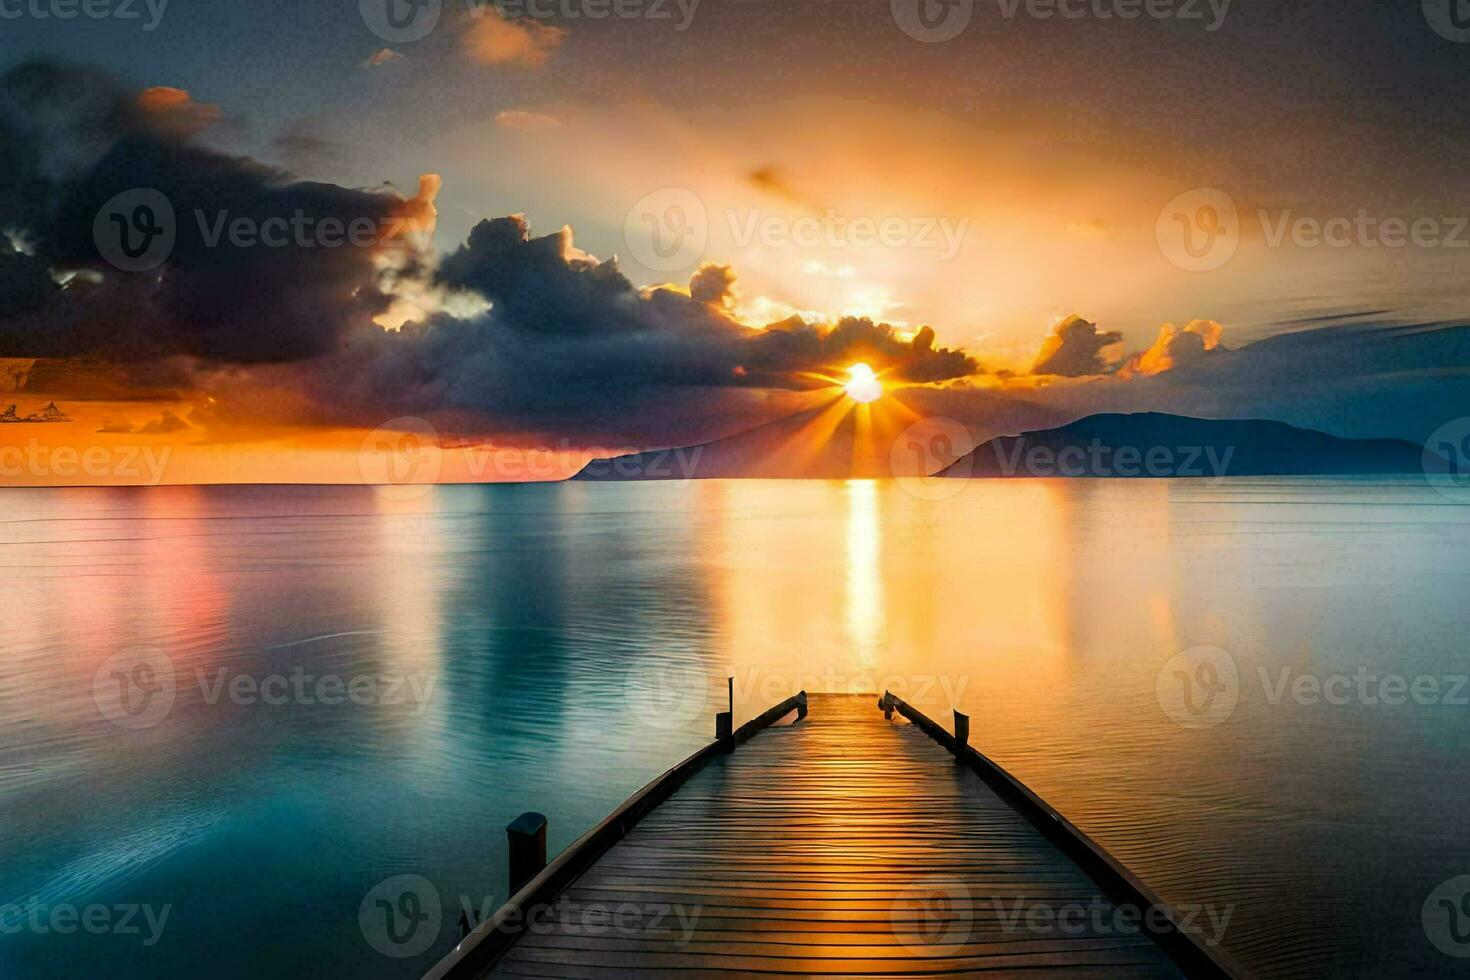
pixel 860 839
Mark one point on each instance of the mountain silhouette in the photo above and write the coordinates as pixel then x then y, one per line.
pixel 1154 444
pixel 1146 444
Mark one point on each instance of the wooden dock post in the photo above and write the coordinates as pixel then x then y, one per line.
pixel 725 720
pixel 961 732
pixel 527 855
pixel 886 703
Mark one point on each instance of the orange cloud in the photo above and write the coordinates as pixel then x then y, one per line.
pixel 494 39
pixel 530 121
pixel 381 57
pixel 1174 347
pixel 175 112
pixel 417 215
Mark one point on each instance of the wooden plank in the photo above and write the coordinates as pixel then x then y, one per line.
pixel 477 953
pixel 844 845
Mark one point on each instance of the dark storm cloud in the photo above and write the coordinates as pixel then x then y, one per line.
pixel 570 344
pixel 1075 349
pixel 75 140
pixel 542 283
pixel 712 285
pixel 579 317
pixel 567 343
pixel 796 345
pixel 25 281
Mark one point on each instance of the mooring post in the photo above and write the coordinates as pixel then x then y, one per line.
pixel 886 703
pixel 800 705
pixel 725 731
pixel 526 835
pixel 961 732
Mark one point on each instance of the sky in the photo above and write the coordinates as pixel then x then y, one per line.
pixel 593 225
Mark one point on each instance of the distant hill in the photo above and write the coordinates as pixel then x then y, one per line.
pixel 1152 444
pixel 819 445
pixel 1135 445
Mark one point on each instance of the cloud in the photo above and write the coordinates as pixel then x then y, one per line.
pixel 1076 348
pixel 173 111
pixel 569 345
pixel 713 285
pixel 774 180
pixel 25 281
pixel 380 57
pixel 508 332
pixel 304 147
pixel 494 39
pixel 215 297
pixel 1175 347
pixel 166 424
pixel 527 121
pixel 795 346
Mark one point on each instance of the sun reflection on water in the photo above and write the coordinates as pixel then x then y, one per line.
pixel 864 597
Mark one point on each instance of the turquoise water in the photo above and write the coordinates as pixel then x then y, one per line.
pixel 554 647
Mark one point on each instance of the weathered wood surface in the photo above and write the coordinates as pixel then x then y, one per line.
pixel 846 844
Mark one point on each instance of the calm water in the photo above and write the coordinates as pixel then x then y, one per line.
pixel 521 628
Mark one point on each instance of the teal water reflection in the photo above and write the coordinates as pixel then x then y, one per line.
pixel 554 647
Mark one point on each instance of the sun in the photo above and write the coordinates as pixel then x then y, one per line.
pixel 862 384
